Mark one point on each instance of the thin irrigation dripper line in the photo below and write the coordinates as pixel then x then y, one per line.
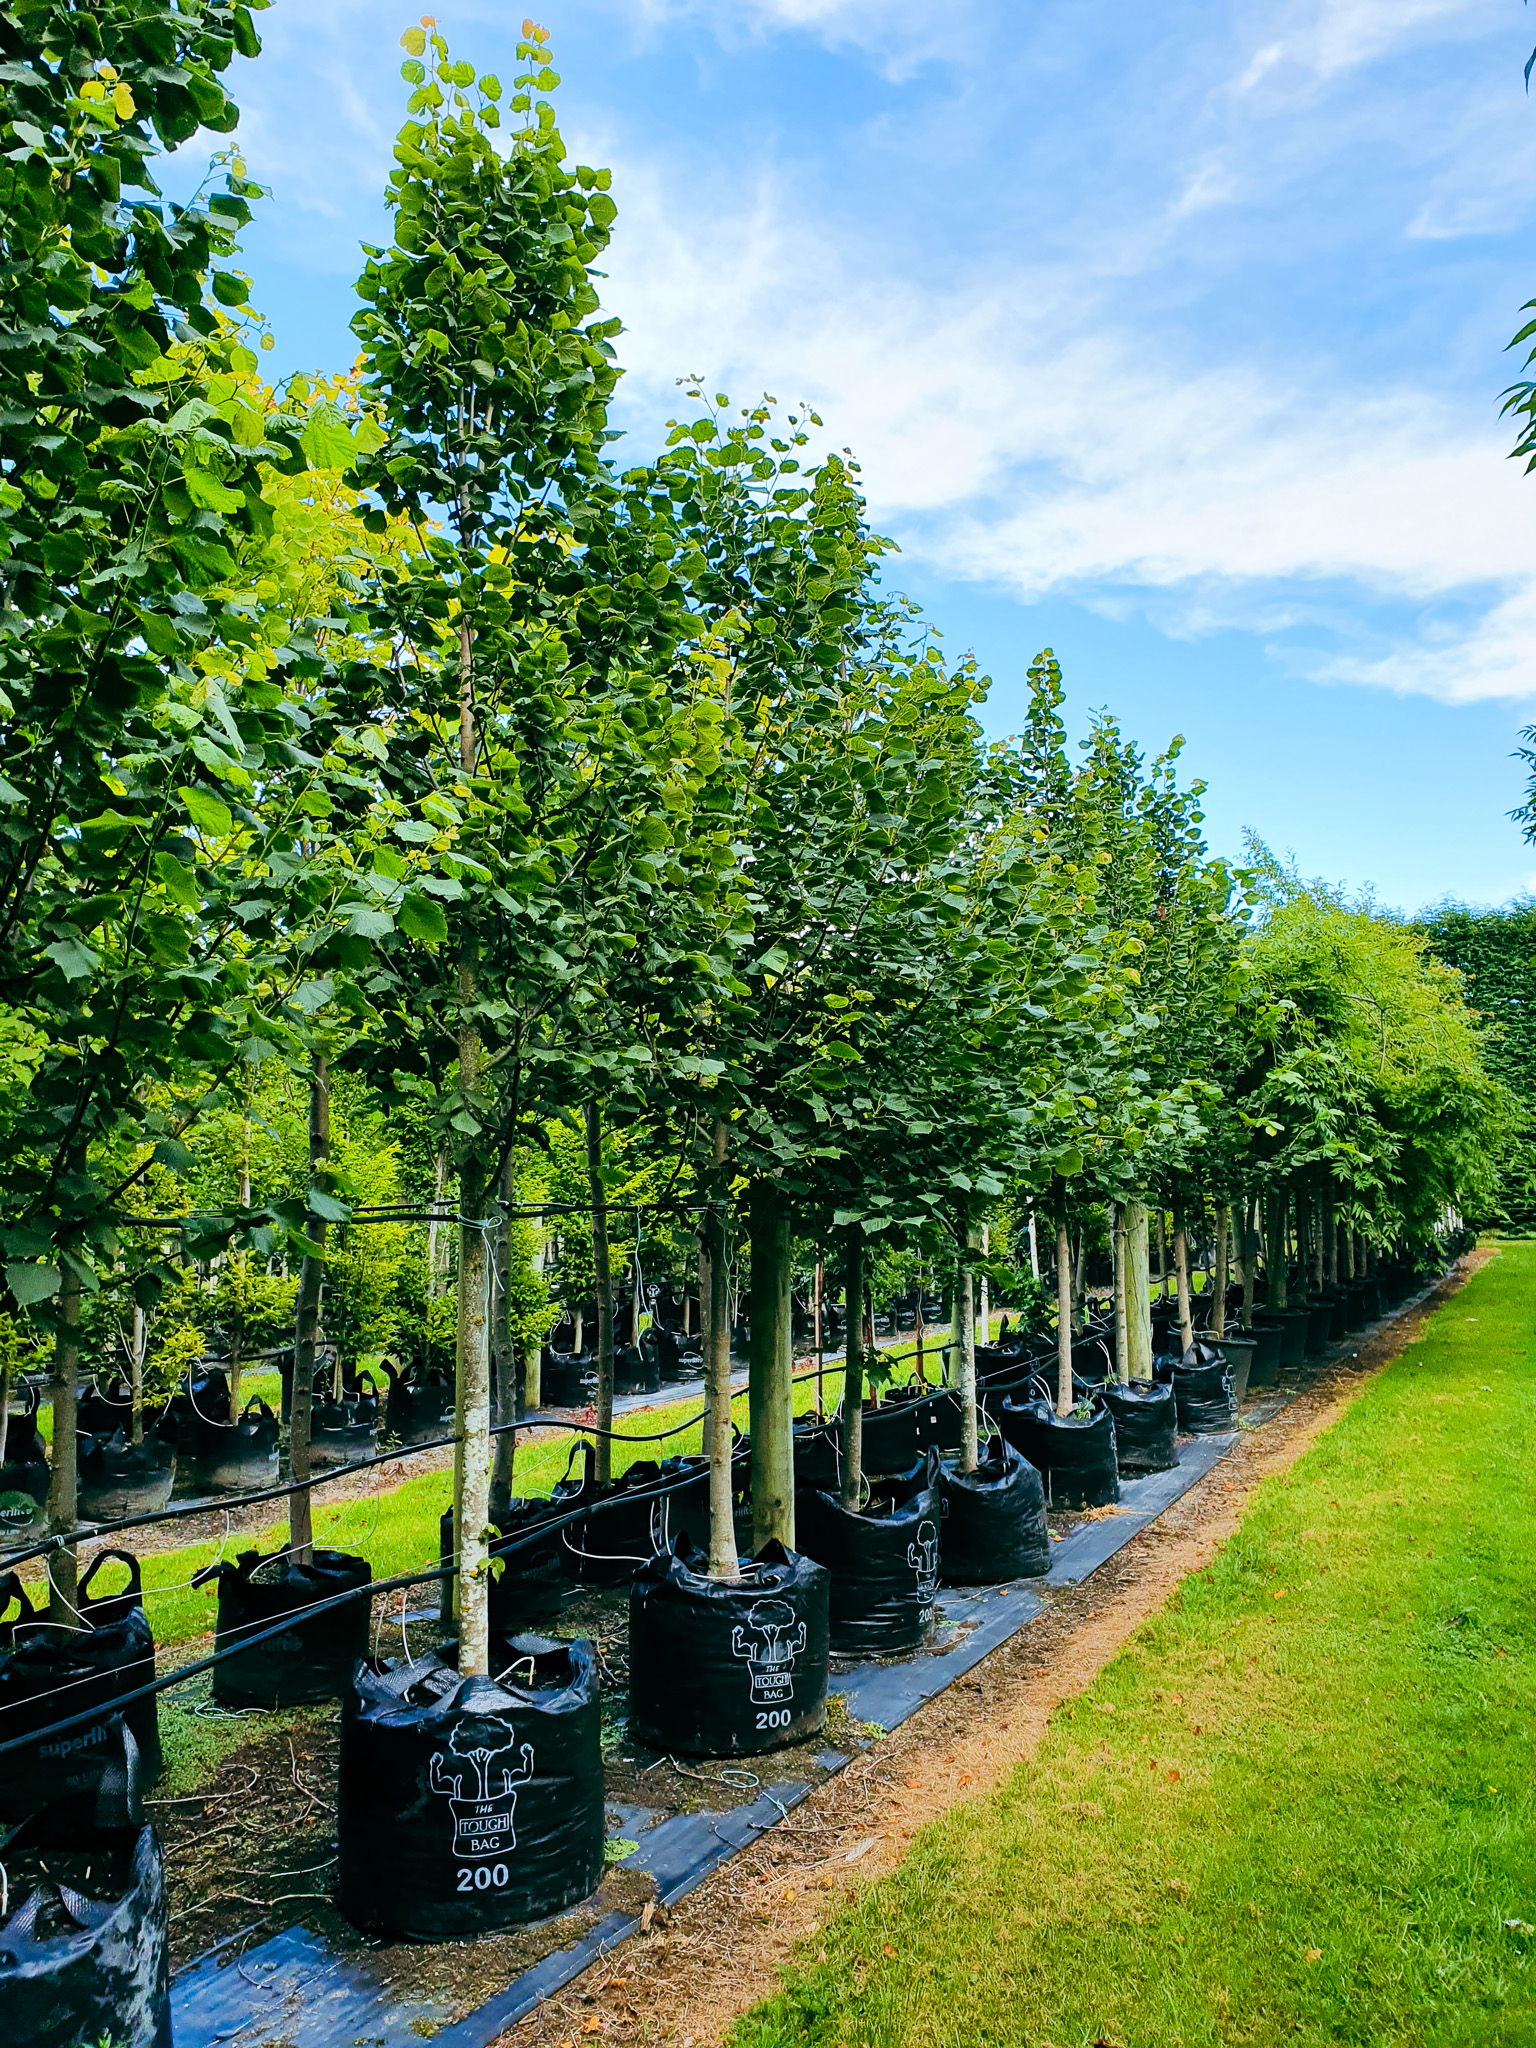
pixel 433 1573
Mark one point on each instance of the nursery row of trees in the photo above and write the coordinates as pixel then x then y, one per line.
pixel 416 818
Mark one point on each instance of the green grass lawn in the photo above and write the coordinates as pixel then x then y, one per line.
pixel 1299 1807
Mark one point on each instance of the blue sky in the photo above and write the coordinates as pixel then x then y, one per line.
pixel 1170 337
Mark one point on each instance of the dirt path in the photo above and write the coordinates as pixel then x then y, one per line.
pixel 721 1949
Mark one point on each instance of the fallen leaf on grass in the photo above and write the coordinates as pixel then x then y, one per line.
pixel 1314 1955
pixel 965 1778
pixel 1173 1777
pixel 1279 1594
pixel 890 1952
pixel 861 1848
pixel 913 1784
pixel 821 1955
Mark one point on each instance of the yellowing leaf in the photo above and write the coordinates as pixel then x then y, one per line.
pixel 122 100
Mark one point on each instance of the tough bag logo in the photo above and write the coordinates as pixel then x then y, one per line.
pixel 482 1796
pixel 923 1557
pixel 769 1643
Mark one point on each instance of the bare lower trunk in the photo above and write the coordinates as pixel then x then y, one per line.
pixel 821 1348
pixel 604 1272
pixel 1162 1258
pixel 1250 1258
pixel 1274 1251
pixel 306 1334
pixel 770 1393
pixel 984 1300
pixel 136 1372
pixel 6 1375
pixel 714 1299
pixel 1122 1319
pixel 1219 1276
pixel 1064 1401
pixel 1138 1291
pixel 1181 1284
pixel 504 1457
pixel 968 1429
pixel 1034 1246
pixel 853 1376
pixel 63 1489
pixel 472 1508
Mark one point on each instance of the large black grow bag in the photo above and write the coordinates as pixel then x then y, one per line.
pixel 1267 1339
pixel 1319 1325
pixel 419 1405
pixel 1075 1454
pixel 906 1425
pixel 532 1577
pixel 231 1457
pixel 884 1562
pixel 23 1477
pixel 727 1667
pixel 50 1674
pixel 643 1511
pixel 635 1371
pixel 101 1411
pixel 310 1661
pixel 818 1453
pixel 1202 1386
pixel 992 1520
pixel 470 1805
pixel 566 1378
pixel 117 1479
pixel 341 1432
pixel 1146 1422
pixel 83 1953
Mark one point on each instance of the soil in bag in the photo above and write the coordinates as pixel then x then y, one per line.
pixel 1202 1385
pixel 1074 1453
pixel 83 1944
pixel 884 1562
pixel 313 1658
pixel 23 1477
pixel 992 1520
pixel 50 1674
pixel 1146 1422
pixel 727 1667
pixel 468 1805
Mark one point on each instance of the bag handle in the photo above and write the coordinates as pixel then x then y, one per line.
pixel 132 1592
pixel 11 1589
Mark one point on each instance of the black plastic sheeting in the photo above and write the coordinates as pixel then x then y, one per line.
pixel 1076 1455
pixel 80 1968
pixel 727 1667
pixel 118 1479
pixel 470 1805
pixel 1202 1385
pixel 1146 1423
pixel 48 1674
pixel 992 1527
pixel 884 1562
pixel 311 1661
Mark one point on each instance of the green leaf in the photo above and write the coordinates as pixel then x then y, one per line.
pixel 205 490
pixel 326 1207
pixel 327 439
pixel 311 996
pixel 32 1284
pixel 207 813
pixel 422 919
pixel 73 957
pixel 370 924
pixel 178 880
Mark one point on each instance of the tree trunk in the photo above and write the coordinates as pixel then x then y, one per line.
pixel 1274 1250
pixel 1122 1319
pixel 771 1390
pixel 1181 1282
pixel 821 1349
pixel 604 1272
pixel 984 1305
pixel 1318 1214
pixel 1250 1257
pixel 853 1375
pixel 1138 1290
pixel 714 1300
pixel 7 1372
pixel 136 1372
pixel 1034 1245
pixel 1162 1257
pixel 1219 1275
pixel 306 1332
pixel 504 1456
pixel 63 1487
pixel 436 1239
pixel 1064 1399
pixel 967 1293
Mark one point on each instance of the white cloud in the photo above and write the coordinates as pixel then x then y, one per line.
pixel 1025 438
pixel 1316 41
pixel 898 34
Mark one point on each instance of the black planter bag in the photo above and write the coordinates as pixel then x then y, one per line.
pixel 116 1479
pixel 1319 1326
pixel 992 1520
pixel 77 1967
pixel 567 1379
pixel 818 1453
pixel 419 1405
pixel 51 1674
pixel 533 1577
pixel 310 1661
pixel 907 1424
pixel 884 1562
pixel 634 1372
pixel 234 1457
pixel 102 1411
pixel 643 1511
pixel 1202 1385
pixel 465 1806
pixel 1076 1458
pixel 23 1478
pixel 341 1432
pixel 1146 1422
pixel 727 1667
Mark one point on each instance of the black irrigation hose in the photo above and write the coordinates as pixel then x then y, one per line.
pixel 370 1588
